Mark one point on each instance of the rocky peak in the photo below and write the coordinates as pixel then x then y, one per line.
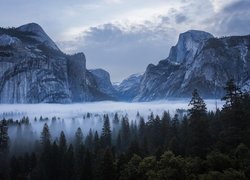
pixel 31 27
pixel 187 45
pixel 39 34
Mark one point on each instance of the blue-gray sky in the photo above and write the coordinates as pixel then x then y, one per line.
pixel 124 36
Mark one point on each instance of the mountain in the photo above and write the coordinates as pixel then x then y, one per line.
pixel 187 45
pixel 104 84
pixel 198 61
pixel 34 70
pixel 129 87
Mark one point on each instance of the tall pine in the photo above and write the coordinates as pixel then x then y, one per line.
pixel 199 137
pixel 106 132
pixel 4 137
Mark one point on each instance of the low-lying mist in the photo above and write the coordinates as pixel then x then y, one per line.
pixel 105 107
pixel 28 119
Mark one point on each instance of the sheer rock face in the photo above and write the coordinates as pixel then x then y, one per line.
pixel 198 61
pixel 104 84
pixel 187 46
pixel 77 77
pixel 34 70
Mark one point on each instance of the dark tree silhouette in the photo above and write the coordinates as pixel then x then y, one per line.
pixel 198 108
pixel 4 137
pixel 45 136
pixel 233 95
pixel 106 132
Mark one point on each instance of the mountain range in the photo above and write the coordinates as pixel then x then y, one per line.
pixel 34 70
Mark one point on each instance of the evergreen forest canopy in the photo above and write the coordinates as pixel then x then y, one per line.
pixel 198 145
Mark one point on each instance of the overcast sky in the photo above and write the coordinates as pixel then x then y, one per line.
pixel 124 36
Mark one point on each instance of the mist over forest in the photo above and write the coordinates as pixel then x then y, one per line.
pixel 27 120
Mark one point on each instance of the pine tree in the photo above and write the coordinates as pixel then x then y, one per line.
pixel 19 138
pixel 198 108
pixel 234 116
pixel 125 133
pixel 96 142
pixel 165 127
pixel 45 159
pixel 199 137
pixel 62 142
pixel 233 95
pixel 133 130
pixel 175 126
pixel 118 142
pixel 142 129
pixel 89 140
pixel 233 107
pixel 45 136
pixel 116 119
pixel 78 138
pixel 106 132
pixel 4 137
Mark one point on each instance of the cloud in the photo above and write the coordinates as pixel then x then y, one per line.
pixel 123 50
pixel 180 18
pixel 218 5
pixel 125 47
pixel 113 1
pixel 241 5
pixel 233 19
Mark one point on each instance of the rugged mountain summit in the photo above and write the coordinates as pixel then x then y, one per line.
pixel 34 70
pixel 187 45
pixel 39 34
pixel 198 61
